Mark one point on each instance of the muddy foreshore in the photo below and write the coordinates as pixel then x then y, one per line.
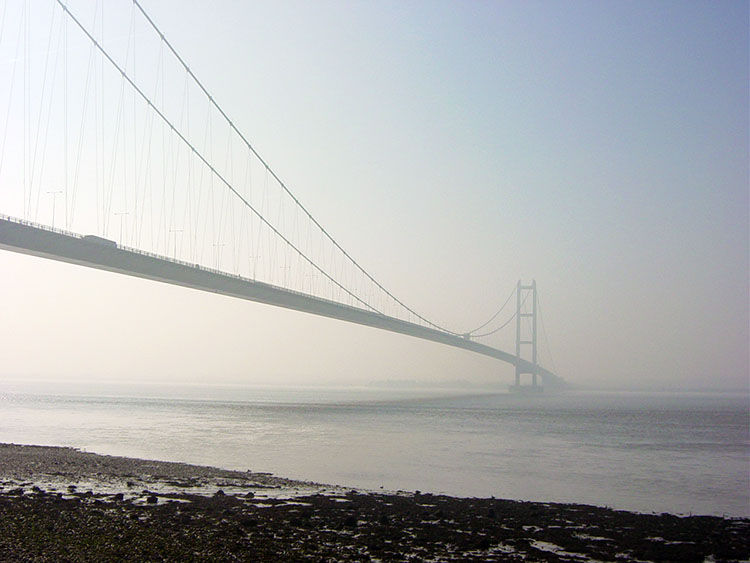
pixel 60 504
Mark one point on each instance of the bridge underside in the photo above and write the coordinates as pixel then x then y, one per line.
pixel 35 240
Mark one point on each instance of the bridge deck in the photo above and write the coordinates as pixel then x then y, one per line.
pixel 37 240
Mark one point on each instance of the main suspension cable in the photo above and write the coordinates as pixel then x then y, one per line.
pixel 203 159
pixel 506 323
pixel 495 315
pixel 276 177
pixel 544 332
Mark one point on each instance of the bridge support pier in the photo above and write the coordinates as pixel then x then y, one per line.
pixel 523 338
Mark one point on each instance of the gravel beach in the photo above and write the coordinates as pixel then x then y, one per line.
pixel 61 504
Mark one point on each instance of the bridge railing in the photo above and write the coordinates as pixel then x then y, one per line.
pixel 39 226
pixel 193 265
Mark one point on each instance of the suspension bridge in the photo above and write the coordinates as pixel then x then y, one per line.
pixel 156 181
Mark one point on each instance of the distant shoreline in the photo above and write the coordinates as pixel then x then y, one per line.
pixel 58 502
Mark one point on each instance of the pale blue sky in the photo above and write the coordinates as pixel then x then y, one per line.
pixel 454 147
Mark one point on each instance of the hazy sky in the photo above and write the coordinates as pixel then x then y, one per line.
pixel 600 148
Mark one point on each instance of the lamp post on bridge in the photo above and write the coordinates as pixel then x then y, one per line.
pixel 286 271
pixel 254 259
pixel 175 231
pixel 217 251
pixel 313 277
pixel 54 194
pixel 121 214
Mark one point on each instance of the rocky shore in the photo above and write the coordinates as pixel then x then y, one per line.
pixel 60 504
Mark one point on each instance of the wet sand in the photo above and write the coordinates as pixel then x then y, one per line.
pixel 60 504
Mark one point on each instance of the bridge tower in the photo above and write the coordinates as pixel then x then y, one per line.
pixel 523 292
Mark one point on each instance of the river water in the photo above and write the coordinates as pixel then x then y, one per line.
pixel 648 452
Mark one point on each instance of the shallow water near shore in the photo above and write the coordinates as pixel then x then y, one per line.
pixel 649 452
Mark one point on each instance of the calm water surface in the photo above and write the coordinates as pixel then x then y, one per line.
pixel 648 452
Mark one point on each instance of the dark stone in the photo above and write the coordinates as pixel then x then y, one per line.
pixel 484 543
